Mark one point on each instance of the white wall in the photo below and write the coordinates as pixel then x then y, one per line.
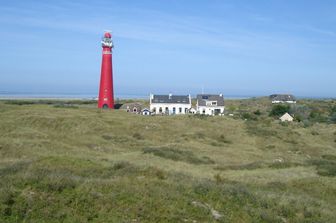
pixel 209 110
pixel 163 106
pixel 278 102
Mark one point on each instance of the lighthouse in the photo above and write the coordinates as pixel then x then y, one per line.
pixel 106 97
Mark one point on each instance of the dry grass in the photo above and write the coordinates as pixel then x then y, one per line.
pixel 59 164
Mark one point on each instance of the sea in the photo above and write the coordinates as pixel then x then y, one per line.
pixel 85 96
pixel 93 96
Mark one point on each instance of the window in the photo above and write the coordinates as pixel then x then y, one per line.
pixel 211 103
pixel 203 111
pixel 167 110
pixel 180 110
pixel 160 110
pixel 217 111
pixel 174 110
pixel 154 110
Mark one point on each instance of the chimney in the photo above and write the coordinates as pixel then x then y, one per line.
pixel 170 95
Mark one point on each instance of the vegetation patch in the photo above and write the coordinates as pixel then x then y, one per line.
pixel 283 165
pixel 248 166
pixel 224 139
pixel 277 164
pixel 65 106
pixel 83 165
pixel 278 110
pixel 178 155
pixel 325 166
pixel 138 136
pixel 255 129
pixel 329 157
pixel 49 102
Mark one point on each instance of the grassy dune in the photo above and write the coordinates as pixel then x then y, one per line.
pixel 75 163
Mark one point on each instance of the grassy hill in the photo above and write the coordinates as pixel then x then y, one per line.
pixel 74 163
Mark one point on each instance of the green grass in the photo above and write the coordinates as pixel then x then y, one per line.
pixel 88 165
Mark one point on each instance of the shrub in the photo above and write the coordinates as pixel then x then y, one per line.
pixel 333 109
pixel 160 174
pixel 258 112
pixel 307 123
pixel 298 118
pixel 317 116
pixel 19 102
pixel 282 165
pixel 65 106
pixel 248 166
pixel 333 118
pixel 326 166
pixel 248 116
pixel 107 137
pixel 218 178
pixel 178 155
pixel 138 136
pixel 121 165
pixel 223 139
pixel 279 110
pixel 329 157
pixel 199 116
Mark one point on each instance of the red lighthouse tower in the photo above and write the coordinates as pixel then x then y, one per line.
pixel 106 98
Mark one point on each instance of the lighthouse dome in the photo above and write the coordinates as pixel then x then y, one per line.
pixel 107 35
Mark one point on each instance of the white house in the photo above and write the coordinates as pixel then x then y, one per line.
pixel 282 98
pixel 286 118
pixel 170 104
pixel 192 111
pixel 210 104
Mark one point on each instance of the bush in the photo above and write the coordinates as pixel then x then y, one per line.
pixel 249 116
pixel 65 106
pixel 279 110
pixel 333 118
pixel 326 166
pixel 178 155
pixel 223 139
pixel 298 118
pixel 258 112
pixel 317 116
pixel 218 178
pixel 329 157
pixel 138 136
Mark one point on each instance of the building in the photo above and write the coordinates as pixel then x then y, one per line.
pixel 106 97
pixel 210 104
pixel 170 104
pixel 286 118
pixel 192 111
pixel 282 98
pixel 132 107
pixel 145 111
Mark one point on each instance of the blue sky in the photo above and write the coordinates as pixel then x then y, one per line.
pixel 236 47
